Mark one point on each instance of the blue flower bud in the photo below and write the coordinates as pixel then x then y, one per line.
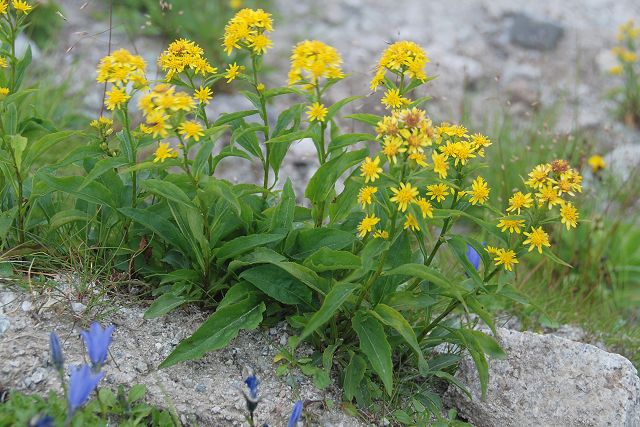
pixel 97 341
pixel 295 415
pixel 82 382
pixel 473 257
pixel 56 351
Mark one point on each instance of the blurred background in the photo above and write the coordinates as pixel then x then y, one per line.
pixel 539 77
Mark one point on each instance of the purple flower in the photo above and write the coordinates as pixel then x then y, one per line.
pixel 295 415
pixel 97 341
pixel 473 257
pixel 56 351
pixel 81 383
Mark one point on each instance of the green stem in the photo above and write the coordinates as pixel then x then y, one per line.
pixel 265 119
pixel 322 156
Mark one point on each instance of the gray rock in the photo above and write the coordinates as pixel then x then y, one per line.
pixel 624 161
pixel 550 381
pixel 4 325
pixel 531 33
pixel 78 307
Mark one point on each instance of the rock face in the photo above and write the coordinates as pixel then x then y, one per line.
pixel 531 33
pixel 550 381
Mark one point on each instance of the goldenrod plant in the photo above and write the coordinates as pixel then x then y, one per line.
pixel 374 274
pixel 626 53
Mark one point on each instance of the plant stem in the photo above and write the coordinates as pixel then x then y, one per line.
pixel 265 119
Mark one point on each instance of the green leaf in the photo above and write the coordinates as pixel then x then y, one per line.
pixel 218 330
pixel 40 146
pixel 18 144
pixel 6 219
pixel 374 344
pixel 327 259
pixel 394 319
pixel 370 119
pixel 421 271
pixel 66 216
pixel 165 303
pixel 168 191
pixel 206 149
pixel 160 226
pixel 10 120
pixel 335 108
pixel 332 303
pixel 289 137
pixel 348 139
pixel 278 284
pixel 353 376
pixel 137 392
pixel 282 219
pixel 244 244
pixel 93 192
pixel 459 248
pixel 310 240
pixel 323 181
pixel 101 167
pixel 553 257
pixel 226 118
pixel 270 93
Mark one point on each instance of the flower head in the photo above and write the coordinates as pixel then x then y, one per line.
pixel 203 95
pixel 312 60
pixel 569 215
pixel 505 257
pixel 365 196
pixel 4 91
pixel 184 54
pixel 57 358
pixel 81 383
pixel 597 163
pixel 513 225
pixel 371 169
pixel 97 341
pixel 473 256
pixel 191 129
pixel 440 165
pixel 519 201
pixel 122 67
pixel 116 97
pixel 425 207
pixel 537 238
pixel 22 6
pixel 247 30
pixel 404 195
pixel 392 99
pixel 411 223
pixel 233 71
pixel 317 112
pixel 163 152
pixel 367 224
pixel 295 414
pixel 438 191
pixel 403 57
pixel 479 191
pixel 539 176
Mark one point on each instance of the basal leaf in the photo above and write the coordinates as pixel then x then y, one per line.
pixel 374 344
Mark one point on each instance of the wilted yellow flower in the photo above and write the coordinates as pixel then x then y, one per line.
pixel 367 224
pixel 404 195
pixel 163 152
pixel 411 223
pixel 365 196
pixel 191 129
pixel 115 98
pixel 233 71
pixel 371 169
pixel 317 112
pixel 569 215
pixel 438 191
pixel 479 191
pixel 519 201
pixel 505 257
pixel 536 239
pixel 403 57
pixel 312 60
pixel 203 95
pixel 597 163
pixel 247 30
pixel 22 6
pixel 513 225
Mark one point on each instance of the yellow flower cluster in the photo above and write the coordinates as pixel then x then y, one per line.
pixel 158 105
pixel 312 60
pixel 184 54
pixel 625 52
pixel 20 6
pixel 628 30
pixel 121 68
pixel 401 58
pixel 405 135
pixel 247 30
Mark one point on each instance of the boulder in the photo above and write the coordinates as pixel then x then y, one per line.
pixel 550 381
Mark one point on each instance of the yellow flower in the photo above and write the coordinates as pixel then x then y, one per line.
pixel 537 239
pixel 381 234
pixel 513 225
pixel 317 112
pixel 539 176
pixel 505 257
pixel 492 250
pixel 393 100
pixel 163 152
pixel 3 7
pixel 367 224
pixel 371 169
pixel 312 60
pixel 616 70
pixel 391 148
pixel 235 4
pixel 403 57
pixel 203 95
pixel 365 196
pixel 425 207
pixel 518 201
pixel 411 223
pixel 122 67
pixel 597 163
pixel 156 124
pixel 438 191
pixel 419 158
pixel 461 151
pixel 3 62
pixel 191 129
pixel 548 194
pixel 440 165
pixel 184 54
pixel 4 91
pixel 115 98
pixel 247 30
pixel 569 215
pixel 233 71
pixel 480 141
pixel 260 87
pixel 404 195
pixel 479 191
pixel 22 6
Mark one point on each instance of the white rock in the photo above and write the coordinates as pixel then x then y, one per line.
pixel 78 307
pixel 26 306
pixel 623 161
pixel 550 381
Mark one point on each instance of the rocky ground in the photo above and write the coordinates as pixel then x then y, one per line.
pixel 204 392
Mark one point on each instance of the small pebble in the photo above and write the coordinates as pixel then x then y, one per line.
pixel 78 307
pixel 27 305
